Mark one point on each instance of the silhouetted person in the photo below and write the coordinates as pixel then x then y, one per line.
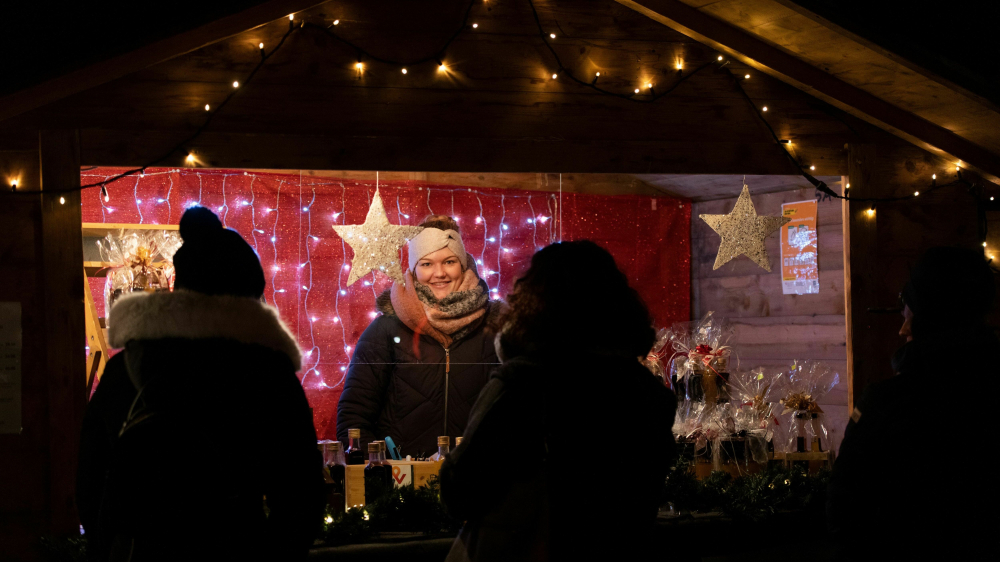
pixel 911 481
pixel 568 446
pixel 198 443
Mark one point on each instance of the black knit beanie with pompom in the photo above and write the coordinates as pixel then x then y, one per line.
pixel 215 260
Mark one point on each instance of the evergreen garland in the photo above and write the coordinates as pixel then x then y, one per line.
pixel 753 497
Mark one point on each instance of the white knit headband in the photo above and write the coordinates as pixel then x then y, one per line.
pixel 433 239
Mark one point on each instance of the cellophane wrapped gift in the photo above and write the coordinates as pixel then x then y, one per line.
pixel 804 384
pixel 655 358
pixel 753 394
pixel 142 260
pixel 699 360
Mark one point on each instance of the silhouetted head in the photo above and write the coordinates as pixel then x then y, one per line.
pixel 572 300
pixel 214 260
pixel 949 289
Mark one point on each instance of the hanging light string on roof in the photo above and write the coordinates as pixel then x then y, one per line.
pixel 820 185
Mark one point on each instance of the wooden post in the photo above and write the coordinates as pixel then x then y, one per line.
pixel 61 257
pixel 860 269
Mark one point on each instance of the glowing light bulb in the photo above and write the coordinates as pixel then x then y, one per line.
pixel 637 90
pixel 305 209
pixel 747 77
pixel 442 68
pixel 373 314
pixel 680 65
pixel 396 339
pixel 207 107
pixel 268 210
pixel 933 177
pixel 408 216
pixel 552 35
pixel 346 267
pixel 649 85
pixel 991 198
pixel 236 84
pixel 530 221
pixel 276 267
pixel 62 200
pixel 291 17
pixel 505 227
pixel 475 25
pixel 492 239
pixel 720 57
pixel 138 201
pixel 598 74
pixel 554 76
pixel 764 108
pixel 190 158
pixel 359 65
pixel 261 46
pixel 13 183
pixel 984 244
pixel 812 167
pixel 274 239
pixel 871 212
pixel 915 193
pixel 404 71
pixel 958 168
pixel 336 22
pixel 304 288
pixel 506 249
pixel 343 368
pixel 479 220
pixel 480 262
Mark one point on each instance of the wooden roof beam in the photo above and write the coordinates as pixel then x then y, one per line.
pixel 117 67
pixel 777 62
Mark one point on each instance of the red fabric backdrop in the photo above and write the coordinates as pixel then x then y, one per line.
pixel 287 218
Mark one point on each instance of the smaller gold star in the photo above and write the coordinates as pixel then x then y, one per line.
pixel 743 232
pixel 376 243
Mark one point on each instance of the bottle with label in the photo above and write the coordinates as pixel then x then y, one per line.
pixel 444 447
pixel 335 470
pixel 378 474
pixel 354 453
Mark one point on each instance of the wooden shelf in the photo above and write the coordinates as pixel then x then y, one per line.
pixel 96 268
pixel 101 229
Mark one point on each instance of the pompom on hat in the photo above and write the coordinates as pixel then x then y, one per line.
pixel 214 260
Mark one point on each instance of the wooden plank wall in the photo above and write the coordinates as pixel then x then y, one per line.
pixel 773 329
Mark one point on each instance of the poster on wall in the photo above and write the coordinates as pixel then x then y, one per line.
pixel 799 249
pixel 10 367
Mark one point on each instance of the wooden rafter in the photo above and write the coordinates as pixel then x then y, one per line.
pixel 785 66
pixel 106 71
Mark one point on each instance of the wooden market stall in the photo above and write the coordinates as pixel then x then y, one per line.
pixel 646 97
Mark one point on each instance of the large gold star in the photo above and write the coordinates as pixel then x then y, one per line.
pixel 376 243
pixel 743 232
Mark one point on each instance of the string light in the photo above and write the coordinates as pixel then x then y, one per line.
pixel 291 17
pixel 207 107
pixel 598 74
pixel 637 90
pixel 933 176
pixel 475 25
pixel 404 71
pixel 649 86
pixel 104 192
pixel 62 200
pixel 236 84
pixel 554 76
pixel 680 65
pixel 261 46
pixel 336 22
pixel 442 68
pixel 916 193
pixel 764 108
pixel 747 77
pixel 190 159
pixel 812 167
pixel 720 57
pixel 871 211
pixel 13 184
pixel 359 65
pixel 552 35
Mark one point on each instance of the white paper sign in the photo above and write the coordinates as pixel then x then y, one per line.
pixel 10 367
pixel 402 475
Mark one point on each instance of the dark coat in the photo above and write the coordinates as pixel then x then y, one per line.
pixel 908 482
pixel 562 460
pixel 231 427
pixel 395 390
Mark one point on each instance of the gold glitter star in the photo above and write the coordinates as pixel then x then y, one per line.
pixel 376 243
pixel 743 232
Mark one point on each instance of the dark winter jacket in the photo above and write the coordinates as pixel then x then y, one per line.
pixel 396 384
pixel 226 465
pixel 903 484
pixel 561 460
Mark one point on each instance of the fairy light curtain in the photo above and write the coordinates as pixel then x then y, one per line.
pixel 287 218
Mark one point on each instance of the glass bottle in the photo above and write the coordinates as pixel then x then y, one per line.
pixel 377 473
pixel 354 453
pixel 444 447
pixel 335 485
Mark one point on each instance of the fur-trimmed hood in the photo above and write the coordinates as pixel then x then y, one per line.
pixel 192 315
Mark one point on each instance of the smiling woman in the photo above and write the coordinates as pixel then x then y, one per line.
pixel 419 367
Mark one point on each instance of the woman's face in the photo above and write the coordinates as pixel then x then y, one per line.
pixel 441 271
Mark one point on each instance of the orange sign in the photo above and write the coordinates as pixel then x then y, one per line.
pixel 799 249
